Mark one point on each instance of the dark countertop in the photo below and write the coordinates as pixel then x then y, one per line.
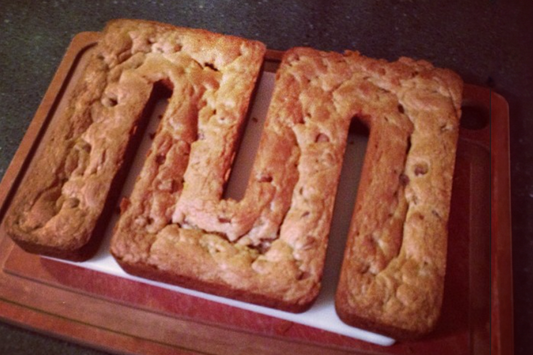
pixel 488 42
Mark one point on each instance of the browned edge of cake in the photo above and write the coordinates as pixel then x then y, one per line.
pixel 152 273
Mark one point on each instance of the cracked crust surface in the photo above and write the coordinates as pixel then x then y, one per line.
pixel 61 206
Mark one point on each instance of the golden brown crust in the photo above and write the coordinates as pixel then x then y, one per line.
pixel 58 209
pixel 269 247
pixel 394 264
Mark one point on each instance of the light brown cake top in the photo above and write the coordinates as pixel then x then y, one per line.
pixel 394 265
pixel 68 185
pixel 273 240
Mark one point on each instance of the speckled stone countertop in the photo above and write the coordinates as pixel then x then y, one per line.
pixel 488 42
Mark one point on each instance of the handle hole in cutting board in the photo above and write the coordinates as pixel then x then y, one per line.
pixel 474 116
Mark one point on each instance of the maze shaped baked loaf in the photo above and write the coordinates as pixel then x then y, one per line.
pixel 269 247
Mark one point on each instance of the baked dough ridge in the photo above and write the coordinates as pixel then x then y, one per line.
pixel 68 194
pixel 393 270
pixel 269 247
